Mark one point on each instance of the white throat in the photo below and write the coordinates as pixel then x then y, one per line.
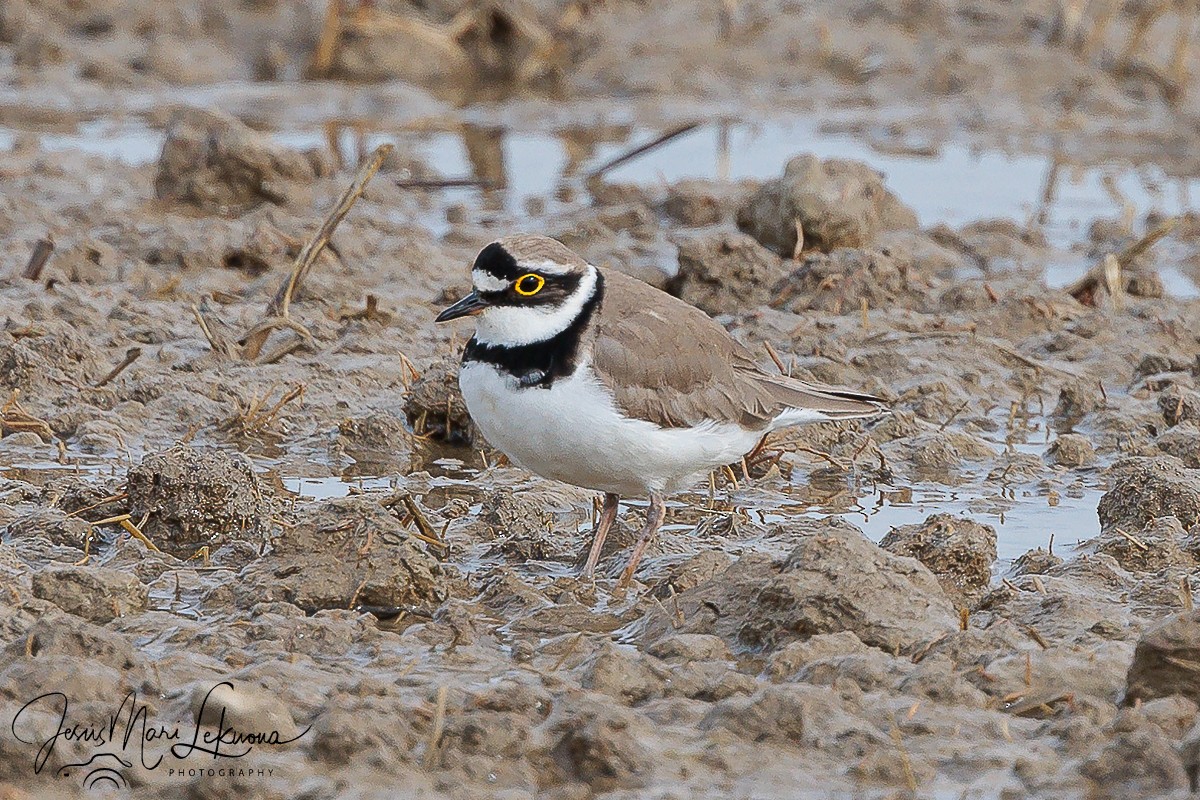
pixel 513 326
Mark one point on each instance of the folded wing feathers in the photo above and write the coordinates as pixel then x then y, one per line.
pixel 832 401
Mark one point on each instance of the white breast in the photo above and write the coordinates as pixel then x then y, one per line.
pixel 574 433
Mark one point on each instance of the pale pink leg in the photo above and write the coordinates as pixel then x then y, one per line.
pixel 654 518
pixel 607 514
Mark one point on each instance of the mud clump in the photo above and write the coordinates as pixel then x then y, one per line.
pixel 835 580
pixel 1163 663
pixel 351 552
pixel 596 746
pixel 94 593
pixel 53 525
pixel 959 551
pixel 1159 545
pixel 1183 442
pixel 725 273
pixel 835 203
pixel 53 354
pixel 213 161
pixel 376 439
pixel 1180 405
pixel 1148 488
pixel 839 282
pixel 434 405
pixel 521 529
pixel 1072 450
pixel 191 499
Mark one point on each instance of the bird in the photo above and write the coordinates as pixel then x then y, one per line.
pixel 594 378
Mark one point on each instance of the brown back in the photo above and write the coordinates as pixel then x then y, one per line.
pixel 668 362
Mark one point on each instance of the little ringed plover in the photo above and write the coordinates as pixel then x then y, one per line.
pixel 599 380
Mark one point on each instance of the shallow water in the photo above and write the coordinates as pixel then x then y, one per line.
pixel 944 183
pixel 1023 518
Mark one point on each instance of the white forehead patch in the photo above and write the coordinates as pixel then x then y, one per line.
pixel 512 326
pixel 485 281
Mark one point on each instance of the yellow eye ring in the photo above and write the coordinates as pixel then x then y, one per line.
pixel 529 284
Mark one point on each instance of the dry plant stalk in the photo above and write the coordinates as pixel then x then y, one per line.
pixel 15 419
pixel 38 258
pixel 1107 275
pixel 256 417
pixel 277 310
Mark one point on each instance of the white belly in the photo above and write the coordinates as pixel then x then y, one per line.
pixel 573 432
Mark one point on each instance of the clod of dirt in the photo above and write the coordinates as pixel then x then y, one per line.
pixel 213 161
pixel 1179 405
pixel 836 203
pixel 835 580
pixel 596 745
pixel 1137 763
pixel 1145 489
pixel 959 551
pixel 839 282
pixel 1164 661
pixel 1076 399
pixel 53 354
pixel 346 553
pixel 1159 545
pixel 520 528
pixel 53 524
pixel 1072 450
pixel 378 438
pixel 434 404
pixel 723 273
pixel 94 593
pixel 1183 442
pixel 693 204
pixel 192 498
pixel 1036 562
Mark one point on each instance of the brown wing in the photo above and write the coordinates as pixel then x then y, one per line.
pixel 668 362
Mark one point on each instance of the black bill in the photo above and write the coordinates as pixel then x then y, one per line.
pixel 468 306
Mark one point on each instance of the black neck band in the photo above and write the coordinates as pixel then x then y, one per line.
pixel 539 364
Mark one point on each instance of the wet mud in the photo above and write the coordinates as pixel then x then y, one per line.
pixel 978 212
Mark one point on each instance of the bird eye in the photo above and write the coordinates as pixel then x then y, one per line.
pixel 530 284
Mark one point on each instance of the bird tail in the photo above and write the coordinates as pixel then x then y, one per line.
pixel 815 402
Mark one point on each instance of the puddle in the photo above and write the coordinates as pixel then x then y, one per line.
pixel 950 183
pixel 1024 519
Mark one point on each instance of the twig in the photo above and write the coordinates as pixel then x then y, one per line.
pixel 445 183
pixel 38 258
pixel 641 149
pixel 14 419
pixel 131 355
pixel 218 343
pixel 775 357
pixel 427 531
pixel 277 309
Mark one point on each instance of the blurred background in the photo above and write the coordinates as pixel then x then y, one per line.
pixel 1051 114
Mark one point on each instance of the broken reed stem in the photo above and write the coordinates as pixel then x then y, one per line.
pixel 277 310
pixel 775 357
pixel 642 149
pixel 327 41
pixel 281 302
pixel 426 530
pixel 110 499
pixel 131 355
pixel 38 258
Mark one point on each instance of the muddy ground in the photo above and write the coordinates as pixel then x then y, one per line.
pixel 988 593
